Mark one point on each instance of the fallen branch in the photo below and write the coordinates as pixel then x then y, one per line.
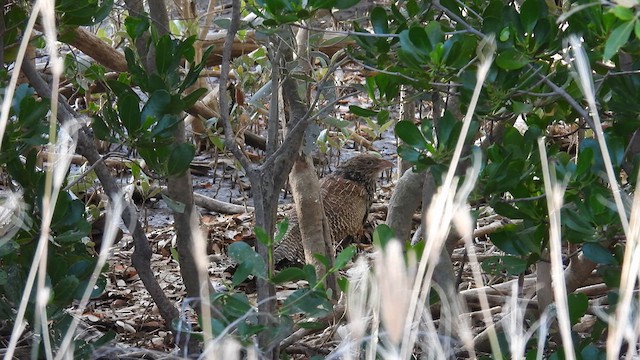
pixel 212 204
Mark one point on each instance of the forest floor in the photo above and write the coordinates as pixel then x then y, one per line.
pixel 126 308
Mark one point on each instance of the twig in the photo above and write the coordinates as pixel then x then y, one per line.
pixel 531 198
pixel 224 95
pixel 347 32
pixel 393 73
pixel 457 19
pixel 565 95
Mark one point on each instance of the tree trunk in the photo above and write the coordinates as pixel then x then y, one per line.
pixel 180 190
pixel 187 12
pixel 316 237
pixel 407 113
pixel 404 203
pixel 305 187
pixel 265 198
pixel 142 253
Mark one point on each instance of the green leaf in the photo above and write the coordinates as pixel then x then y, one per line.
pixel 437 54
pixel 343 284
pixel 408 153
pixel 637 29
pixel 619 36
pixel 598 254
pixel 191 99
pixel 578 222
pixel 136 26
pixel 194 71
pixel 322 4
pixel 434 34
pixel 585 160
pixel 345 4
pixel 344 257
pixel 175 206
pixel 530 12
pixel 233 305
pixel 578 305
pixel 415 42
pixel 497 265
pixel 96 291
pixel 175 255
pixel 129 111
pixel 159 103
pixel 310 273
pixel 511 59
pixel 357 110
pixel 312 303
pixel 383 116
pixel 505 34
pixel 289 274
pixel 23 91
pixel 334 121
pixel 184 49
pixel 412 8
pixel 323 260
pixel 249 262
pixel 379 20
pixel 420 39
pixel 163 127
pixel 7 247
pixel 521 243
pixel 592 351
pixel 64 290
pixel 32 112
pixel 382 235
pixel 282 228
pixel 262 235
pixel 180 158
pixel 408 132
pixel 448 130
pixel 83 12
pixel 622 13
pixel 521 107
pixel 164 54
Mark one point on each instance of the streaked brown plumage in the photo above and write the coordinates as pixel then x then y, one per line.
pixel 347 195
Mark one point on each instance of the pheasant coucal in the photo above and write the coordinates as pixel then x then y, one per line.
pixel 347 195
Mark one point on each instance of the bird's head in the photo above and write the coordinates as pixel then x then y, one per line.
pixel 363 167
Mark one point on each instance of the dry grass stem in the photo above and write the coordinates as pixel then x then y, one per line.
pixel 555 194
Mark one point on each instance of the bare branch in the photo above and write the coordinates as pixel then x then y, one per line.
pixel 224 95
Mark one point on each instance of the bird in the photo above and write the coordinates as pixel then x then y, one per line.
pixel 347 195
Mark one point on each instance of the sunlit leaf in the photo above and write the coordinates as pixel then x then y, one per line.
pixel 408 132
pixel 619 36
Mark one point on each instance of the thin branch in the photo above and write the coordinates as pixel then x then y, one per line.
pixel 457 19
pixel 393 73
pixel 274 105
pixel 224 95
pixel 531 198
pixel 568 98
pixel 346 32
pixel 295 134
pixel 129 216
